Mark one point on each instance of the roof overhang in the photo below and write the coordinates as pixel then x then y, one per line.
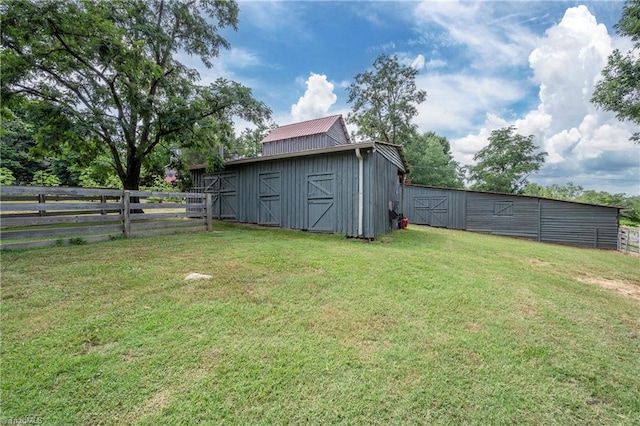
pixel 311 152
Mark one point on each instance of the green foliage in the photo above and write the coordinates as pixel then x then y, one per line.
pixel 6 176
pixel 109 71
pixel 248 143
pixel 569 192
pixel 619 89
pixel 506 162
pixel 629 215
pixel 630 205
pixel 384 101
pixel 431 163
pixel 45 178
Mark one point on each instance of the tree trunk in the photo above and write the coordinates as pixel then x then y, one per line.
pixel 131 181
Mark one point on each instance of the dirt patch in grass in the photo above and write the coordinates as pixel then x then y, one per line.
pixel 629 290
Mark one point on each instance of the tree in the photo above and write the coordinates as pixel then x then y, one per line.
pixel 568 192
pixel 384 101
pixel 619 89
pixel 431 163
pixel 506 162
pixel 111 69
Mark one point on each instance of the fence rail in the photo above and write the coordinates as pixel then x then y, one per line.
pixel 629 240
pixel 42 216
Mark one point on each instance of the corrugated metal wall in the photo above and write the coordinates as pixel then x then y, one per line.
pixel 337 133
pixel 533 218
pixel 297 144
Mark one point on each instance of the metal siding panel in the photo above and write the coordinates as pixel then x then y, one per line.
pixel 578 225
pixel 484 215
pixel 390 153
pixel 336 133
pixel 303 143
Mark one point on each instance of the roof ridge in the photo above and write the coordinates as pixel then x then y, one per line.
pixel 308 121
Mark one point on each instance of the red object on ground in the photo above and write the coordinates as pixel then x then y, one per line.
pixel 404 223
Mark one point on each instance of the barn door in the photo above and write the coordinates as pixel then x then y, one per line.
pixel 320 203
pixel 438 207
pixel 421 207
pixel 432 211
pixel 269 198
pixel 223 188
pixel 228 196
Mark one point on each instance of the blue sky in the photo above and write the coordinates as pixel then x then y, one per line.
pixel 484 65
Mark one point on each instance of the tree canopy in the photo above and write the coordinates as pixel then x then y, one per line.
pixel 619 89
pixel 506 162
pixel 384 101
pixel 431 163
pixel 111 69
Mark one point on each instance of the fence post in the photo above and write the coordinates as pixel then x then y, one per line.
pixel 103 200
pixel 207 208
pixel 126 213
pixel 41 200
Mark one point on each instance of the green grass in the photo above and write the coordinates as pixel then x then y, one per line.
pixel 427 326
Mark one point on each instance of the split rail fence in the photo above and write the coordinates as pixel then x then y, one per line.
pixel 629 240
pixel 43 216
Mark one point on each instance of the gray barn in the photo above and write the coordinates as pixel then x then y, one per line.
pixel 311 177
pixel 535 218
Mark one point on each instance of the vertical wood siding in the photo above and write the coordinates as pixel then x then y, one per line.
pixel 502 215
pixel 578 224
pixel 316 193
pixel 420 203
pixel 539 219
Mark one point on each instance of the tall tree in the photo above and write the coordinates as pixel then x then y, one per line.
pixel 431 163
pixel 384 101
pixel 506 162
pixel 619 89
pixel 111 67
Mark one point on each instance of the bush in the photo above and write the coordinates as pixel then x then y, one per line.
pixel 6 176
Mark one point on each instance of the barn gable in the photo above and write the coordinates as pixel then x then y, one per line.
pixel 319 133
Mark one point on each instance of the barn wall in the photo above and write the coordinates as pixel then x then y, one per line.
pixel 578 224
pixel 502 215
pixel 384 191
pixel 316 193
pixel 303 143
pixel 540 219
pixel 443 208
pixel 337 133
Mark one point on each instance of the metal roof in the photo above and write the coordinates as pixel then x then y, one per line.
pixel 305 128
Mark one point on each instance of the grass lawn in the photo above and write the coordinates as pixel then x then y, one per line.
pixel 427 326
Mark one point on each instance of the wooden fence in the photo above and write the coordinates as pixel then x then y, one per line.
pixel 629 240
pixel 44 216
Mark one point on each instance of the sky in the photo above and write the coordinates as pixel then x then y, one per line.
pixel 485 65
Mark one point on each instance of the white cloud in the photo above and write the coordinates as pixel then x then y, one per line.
pixel 316 101
pixel 582 142
pixel 457 102
pixel 418 62
pixel 492 42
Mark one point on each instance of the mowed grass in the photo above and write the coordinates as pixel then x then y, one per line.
pixel 427 326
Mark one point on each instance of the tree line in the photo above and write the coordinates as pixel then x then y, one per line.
pixel 94 94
